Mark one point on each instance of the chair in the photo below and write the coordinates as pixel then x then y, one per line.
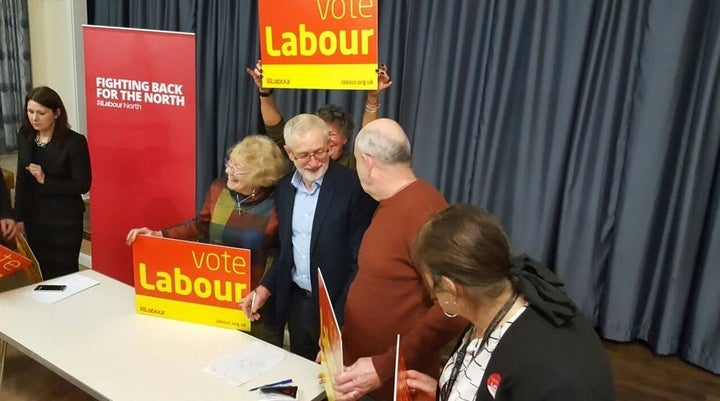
pixel 9 178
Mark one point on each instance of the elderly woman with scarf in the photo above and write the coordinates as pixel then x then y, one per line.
pixel 526 340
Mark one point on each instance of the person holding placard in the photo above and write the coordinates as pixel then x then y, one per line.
pixel 53 171
pixel 239 211
pixel 340 124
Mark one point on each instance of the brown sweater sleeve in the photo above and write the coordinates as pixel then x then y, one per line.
pixel 428 335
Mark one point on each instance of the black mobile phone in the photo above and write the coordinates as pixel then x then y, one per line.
pixel 50 287
pixel 290 391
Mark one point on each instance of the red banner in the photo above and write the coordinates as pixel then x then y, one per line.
pixel 140 91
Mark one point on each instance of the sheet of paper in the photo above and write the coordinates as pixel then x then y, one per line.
pixel 247 363
pixel 74 283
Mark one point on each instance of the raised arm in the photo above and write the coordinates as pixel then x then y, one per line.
pixel 372 99
pixel 270 112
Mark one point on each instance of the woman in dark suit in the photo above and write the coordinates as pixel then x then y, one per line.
pixel 53 172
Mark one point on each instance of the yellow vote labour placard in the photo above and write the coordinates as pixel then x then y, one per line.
pixel 319 44
pixel 191 281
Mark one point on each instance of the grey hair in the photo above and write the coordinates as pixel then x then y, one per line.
pixel 302 123
pixel 383 148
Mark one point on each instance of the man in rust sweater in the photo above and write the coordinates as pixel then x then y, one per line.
pixel 389 296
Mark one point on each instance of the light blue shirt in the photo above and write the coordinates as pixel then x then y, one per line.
pixel 302 222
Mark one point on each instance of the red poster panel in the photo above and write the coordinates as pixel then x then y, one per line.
pixel 402 390
pixel 319 44
pixel 140 91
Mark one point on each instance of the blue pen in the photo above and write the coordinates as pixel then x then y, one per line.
pixel 281 382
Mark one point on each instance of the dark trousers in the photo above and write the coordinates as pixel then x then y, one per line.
pixel 304 324
pixel 266 327
pixel 56 246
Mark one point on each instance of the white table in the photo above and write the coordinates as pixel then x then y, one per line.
pixel 95 340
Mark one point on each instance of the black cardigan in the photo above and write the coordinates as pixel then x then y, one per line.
pixel 67 177
pixel 538 361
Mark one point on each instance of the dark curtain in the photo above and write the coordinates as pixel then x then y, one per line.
pixel 167 15
pixel 591 128
pixel 227 42
pixel 15 71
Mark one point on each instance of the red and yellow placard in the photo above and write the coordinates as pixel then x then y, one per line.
pixel 11 261
pixel 18 265
pixel 330 340
pixel 191 281
pixel 402 390
pixel 319 44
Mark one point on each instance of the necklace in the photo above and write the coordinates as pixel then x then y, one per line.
pixel 240 203
pixel 462 351
pixel 40 143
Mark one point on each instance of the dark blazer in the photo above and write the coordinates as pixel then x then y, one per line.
pixel 67 177
pixel 342 214
pixel 536 360
pixel 6 210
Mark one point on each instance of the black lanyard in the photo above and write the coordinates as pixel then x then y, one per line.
pixel 462 351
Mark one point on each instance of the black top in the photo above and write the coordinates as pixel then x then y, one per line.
pixel 5 206
pixel 66 164
pixel 551 352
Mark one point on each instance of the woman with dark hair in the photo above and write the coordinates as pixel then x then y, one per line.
pixel 526 340
pixel 53 172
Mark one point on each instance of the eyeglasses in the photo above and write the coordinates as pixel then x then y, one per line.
pixel 305 157
pixel 233 169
